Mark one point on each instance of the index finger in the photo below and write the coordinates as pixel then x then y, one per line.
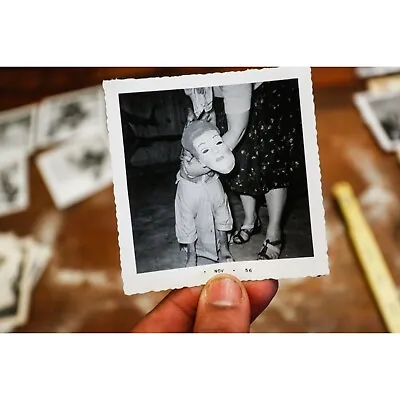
pixel 174 314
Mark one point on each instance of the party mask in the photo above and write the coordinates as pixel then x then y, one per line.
pixel 203 140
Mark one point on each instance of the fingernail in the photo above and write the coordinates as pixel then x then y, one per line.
pixel 223 292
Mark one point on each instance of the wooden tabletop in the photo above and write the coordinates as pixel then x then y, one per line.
pixel 81 289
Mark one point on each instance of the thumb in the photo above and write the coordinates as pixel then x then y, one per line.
pixel 223 307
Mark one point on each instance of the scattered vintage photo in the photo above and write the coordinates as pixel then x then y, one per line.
pixel 381 113
pixel 17 129
pixel 67 115
pixel 216 173
pixel 14 290
pixel 37 257
pixel 76 169
pixel 368 72
pixel 384 84
pixel 23 261
pixel 14 183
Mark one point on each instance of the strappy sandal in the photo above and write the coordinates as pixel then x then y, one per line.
pixel 262 255
pixel 237 238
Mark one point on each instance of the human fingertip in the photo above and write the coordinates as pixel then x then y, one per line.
pixel 223 291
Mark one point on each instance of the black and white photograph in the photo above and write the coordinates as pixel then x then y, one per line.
pixel 14 183
pixel 71 114
pixel 381 113
pixel 384 84
pixel 77 169
pixel 23 261
pixel 216 173
pixel 14 293
pixel 17 127
pixel 37 256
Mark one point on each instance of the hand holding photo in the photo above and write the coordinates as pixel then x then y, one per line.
pixel 239 190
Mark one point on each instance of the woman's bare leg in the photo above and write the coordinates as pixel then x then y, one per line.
pixel 276 200
pixel 250 215
pixel 249 207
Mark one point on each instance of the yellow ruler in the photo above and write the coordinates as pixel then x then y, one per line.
pixel 374 266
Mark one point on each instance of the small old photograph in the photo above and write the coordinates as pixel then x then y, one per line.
pixel 381 113
pixel 69 115
pixel 77 169
pixel 369 72
pixel 14 183
pixel 14 299
pixel 17 128
pixel 216 173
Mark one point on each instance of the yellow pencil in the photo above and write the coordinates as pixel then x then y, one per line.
pixel 372 261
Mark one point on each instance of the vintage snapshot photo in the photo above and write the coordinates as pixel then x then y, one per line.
pixel 76 169
pixel 37 257
pixel 72 114
pixel 14 183
pixel 369 72
pixel 23 261
pixel 17 127
pixel 14 288
pixel 381 113
pixel 216 173
pixel 384 84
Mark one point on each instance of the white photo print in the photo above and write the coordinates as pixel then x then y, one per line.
pixel 17 127
pixel 14 288
pixel 14 183
pixel 75 113
pixel 181 219
pixel 369 72
pixel 76 169
pixel 381 113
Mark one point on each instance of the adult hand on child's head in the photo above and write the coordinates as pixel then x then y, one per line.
pixel 223 305
pixel 210 116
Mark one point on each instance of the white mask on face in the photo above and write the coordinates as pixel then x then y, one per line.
pixel 213 153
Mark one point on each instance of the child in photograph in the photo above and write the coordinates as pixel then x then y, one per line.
pixel 202 213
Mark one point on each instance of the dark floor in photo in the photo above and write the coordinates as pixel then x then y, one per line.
pixel 152 195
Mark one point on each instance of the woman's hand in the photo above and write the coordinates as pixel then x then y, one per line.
pixel 211 117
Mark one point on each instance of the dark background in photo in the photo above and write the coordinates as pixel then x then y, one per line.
pixel 152 124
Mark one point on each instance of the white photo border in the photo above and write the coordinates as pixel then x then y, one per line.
pixel 134 283
pixel 363 100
